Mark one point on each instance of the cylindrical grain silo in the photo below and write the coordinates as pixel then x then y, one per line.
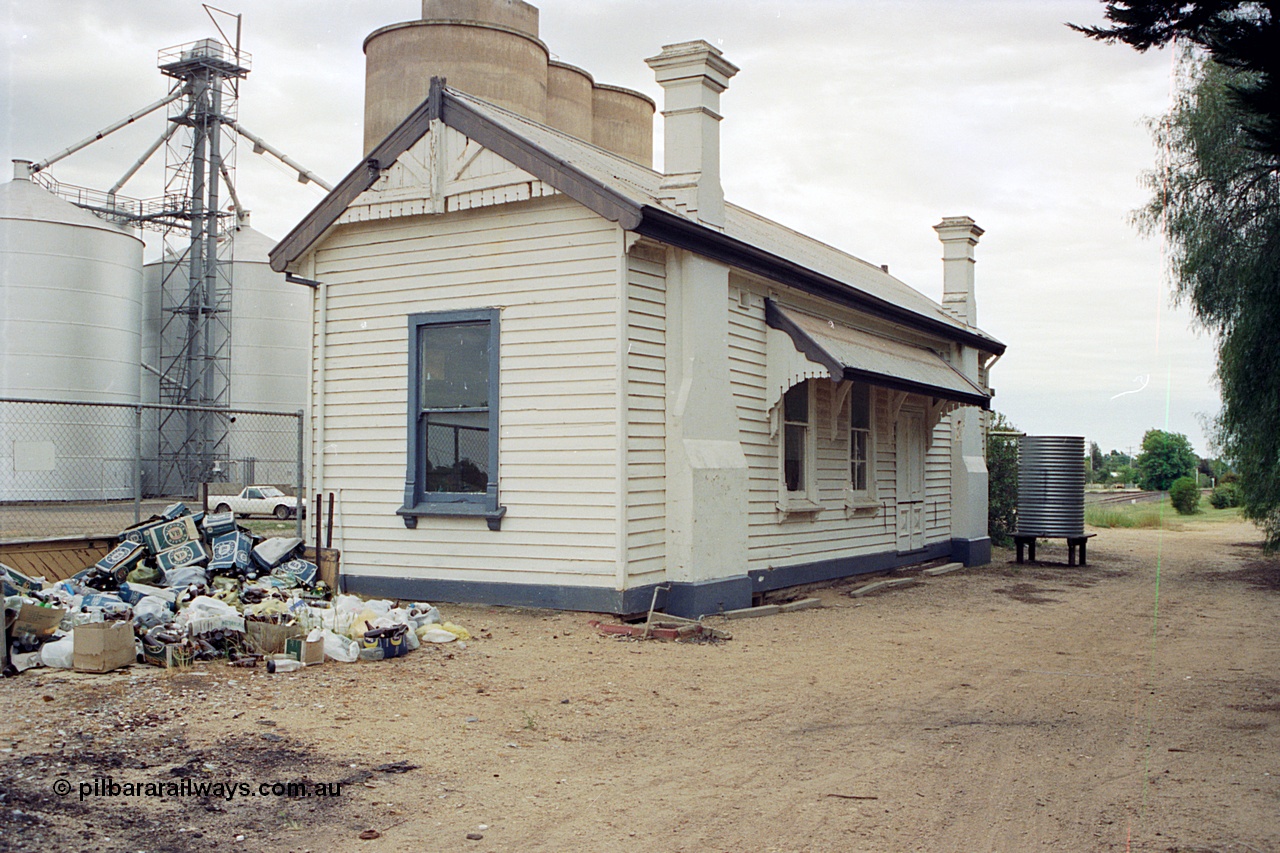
pixel 270 330
pixel 70 330
pixel 270 334
pixel 1051 485
pixel 569 99
pixel 622 122
pixel 486 48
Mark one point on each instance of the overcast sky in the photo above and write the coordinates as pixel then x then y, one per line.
pixel 859 122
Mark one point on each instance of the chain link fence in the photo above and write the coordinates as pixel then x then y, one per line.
pixel 92 469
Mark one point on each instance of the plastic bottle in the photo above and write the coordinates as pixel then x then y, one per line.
pixel 290 665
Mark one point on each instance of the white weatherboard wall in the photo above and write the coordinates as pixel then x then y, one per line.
pixel 646 402
pixel 835 531
pixel 552 268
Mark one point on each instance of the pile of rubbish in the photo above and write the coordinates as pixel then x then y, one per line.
pixel 189 586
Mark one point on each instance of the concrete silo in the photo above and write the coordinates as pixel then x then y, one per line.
pixel 490 49
pixel 70 330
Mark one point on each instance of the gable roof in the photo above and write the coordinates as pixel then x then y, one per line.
pixel 627 193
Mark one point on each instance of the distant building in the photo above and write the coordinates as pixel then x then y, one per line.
pixel 545 374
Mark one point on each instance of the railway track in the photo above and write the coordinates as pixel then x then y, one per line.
pixel 1104 498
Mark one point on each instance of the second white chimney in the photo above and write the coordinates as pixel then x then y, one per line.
pixel 692 75
pixel 959 236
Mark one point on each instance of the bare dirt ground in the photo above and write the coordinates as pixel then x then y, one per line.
pixel 1130 705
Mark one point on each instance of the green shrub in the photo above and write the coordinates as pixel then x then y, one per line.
pixel 1002 482
pixel 1185 495
pixel 1225 496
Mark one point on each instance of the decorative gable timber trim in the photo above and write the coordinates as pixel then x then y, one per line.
pixel 443 106
pixel 443 172
pixel 525 155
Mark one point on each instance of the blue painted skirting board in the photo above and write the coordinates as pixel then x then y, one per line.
pixel 681 599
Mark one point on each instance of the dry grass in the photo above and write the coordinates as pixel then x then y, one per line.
pixel 1155 515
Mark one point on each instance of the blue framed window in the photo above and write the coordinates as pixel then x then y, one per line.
pixel 452 466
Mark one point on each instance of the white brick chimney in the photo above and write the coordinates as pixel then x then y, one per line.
pixel 692 75
pixel 959 234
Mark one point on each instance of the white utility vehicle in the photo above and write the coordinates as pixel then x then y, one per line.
pixel 260 500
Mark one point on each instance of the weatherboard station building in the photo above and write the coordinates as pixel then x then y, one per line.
pixel 545 374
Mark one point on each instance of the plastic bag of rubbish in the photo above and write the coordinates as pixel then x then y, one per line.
pixel 435 634
pixel 146 573
pixel 186 575
pixel 421 613
pixel 343 612
pixel 339 648
pixel 59 653
pixel 151 611
pixel 457 630
pixel 205 614
pixel 363 621
pixel 267 607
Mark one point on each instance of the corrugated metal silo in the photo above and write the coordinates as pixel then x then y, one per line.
pixel 270 335
pixel 70 330
pixel 270 330
pixel 1051 485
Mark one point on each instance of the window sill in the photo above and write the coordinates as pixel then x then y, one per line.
pixel 861 505
pixel 798 506
pixel 458 509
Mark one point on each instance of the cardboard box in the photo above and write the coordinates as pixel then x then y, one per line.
pixel 231 553
pixel 168 657
pixel 103 646
pixel 41 621
pixel 271 552
pixel 264 638
pixel 299 572
pixel 121 560
pixel 328 561
pixel 310 652
pixel 16 583
pixel 183 555
pixel 166 535
pixel 391 644
pixel 133 533
pixel 216 524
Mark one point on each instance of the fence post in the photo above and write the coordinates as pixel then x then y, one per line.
pixel 137 464
pixel 301 416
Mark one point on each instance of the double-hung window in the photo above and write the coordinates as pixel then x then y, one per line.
pixel 453 416
pixel 859 438
pixel 795 440
pixel 861 495
pixel 797 478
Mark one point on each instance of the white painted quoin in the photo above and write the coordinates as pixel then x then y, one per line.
pixel 659 390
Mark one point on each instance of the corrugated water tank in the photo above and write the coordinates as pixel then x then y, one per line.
pixel 1051 485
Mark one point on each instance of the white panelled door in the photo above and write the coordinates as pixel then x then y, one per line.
pixel 910 475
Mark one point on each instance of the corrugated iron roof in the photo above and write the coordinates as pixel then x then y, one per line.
pixel 857 354
pixel 629 194
pixel 642 184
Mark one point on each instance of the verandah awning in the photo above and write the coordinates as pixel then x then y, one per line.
pixel 857 355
